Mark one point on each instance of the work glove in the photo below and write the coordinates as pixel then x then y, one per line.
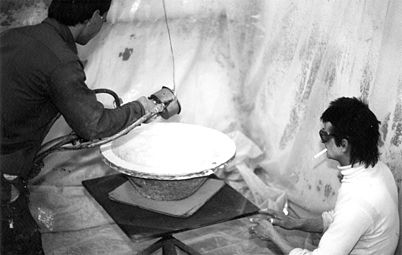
pixel 147 104
pixel 166 96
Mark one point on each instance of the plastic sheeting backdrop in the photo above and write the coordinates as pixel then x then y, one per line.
pixel 260 71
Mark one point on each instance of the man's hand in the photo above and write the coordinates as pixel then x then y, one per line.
pixel 148 105
pixel 280 219
pixel 264 230
pixel 276 218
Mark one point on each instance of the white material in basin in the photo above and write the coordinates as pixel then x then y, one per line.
pixel 169 151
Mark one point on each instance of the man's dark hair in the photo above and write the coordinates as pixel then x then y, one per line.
pixel 73 12
pixel 352 119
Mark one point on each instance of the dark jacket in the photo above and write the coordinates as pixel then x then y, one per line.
pixel 41 76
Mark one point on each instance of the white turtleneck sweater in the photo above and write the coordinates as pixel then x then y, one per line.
pixel 365 219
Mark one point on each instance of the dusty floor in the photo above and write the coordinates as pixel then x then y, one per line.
pixel 72 222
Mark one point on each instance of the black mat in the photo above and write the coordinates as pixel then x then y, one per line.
pixel 225 205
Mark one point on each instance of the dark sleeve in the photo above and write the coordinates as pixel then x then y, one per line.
pixel 80 107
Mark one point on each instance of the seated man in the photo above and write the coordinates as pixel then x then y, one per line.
pixel 365 218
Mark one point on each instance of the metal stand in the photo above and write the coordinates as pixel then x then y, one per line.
pixel 227 204
pixel 168 245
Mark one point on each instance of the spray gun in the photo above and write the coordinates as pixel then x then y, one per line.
pixel 168 99
pixel 166 105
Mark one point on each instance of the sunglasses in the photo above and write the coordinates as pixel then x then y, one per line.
pixel 325 137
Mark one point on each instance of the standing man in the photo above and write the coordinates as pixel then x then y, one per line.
pixel 42 77
pixel 365 218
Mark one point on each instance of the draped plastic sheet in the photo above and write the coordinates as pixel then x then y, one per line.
pixel 264 68
pixel 260 71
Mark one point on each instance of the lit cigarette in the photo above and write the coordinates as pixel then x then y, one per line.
pixel 320 153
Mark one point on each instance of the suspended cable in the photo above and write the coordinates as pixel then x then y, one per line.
pixel 171 47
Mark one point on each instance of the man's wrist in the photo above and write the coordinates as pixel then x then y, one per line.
pixel 310 225
pixel 300 224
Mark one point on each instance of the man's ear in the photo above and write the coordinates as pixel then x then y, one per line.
pixel 94 16
pixel 345 145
